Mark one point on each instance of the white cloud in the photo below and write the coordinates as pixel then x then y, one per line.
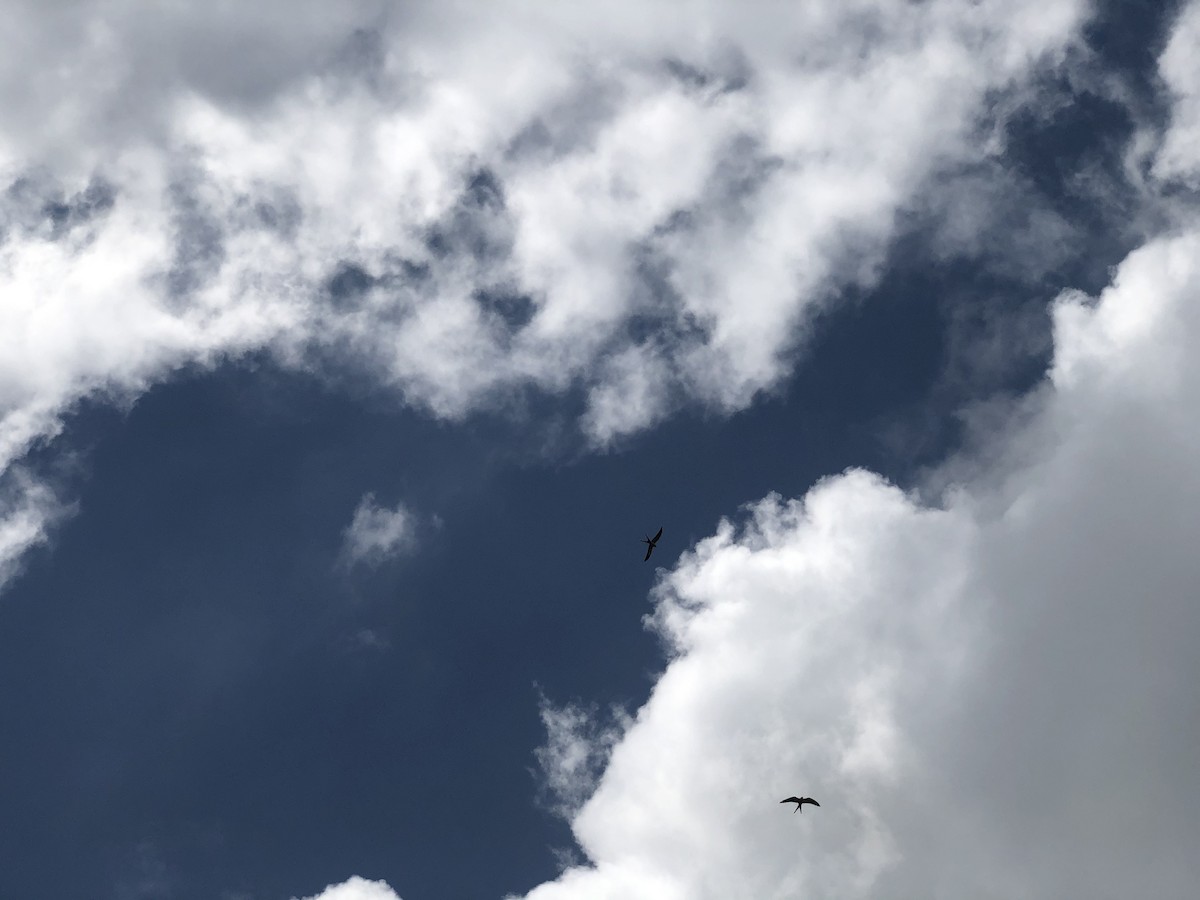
pixel 28 508
pixel 663 194
pixel 631 392
pixel 357 889
pixel 991 698
pixel 377 533
pixel 1179 68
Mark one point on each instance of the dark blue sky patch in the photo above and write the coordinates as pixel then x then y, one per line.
pixel 513 309
pixel 1127 37
pixel 348 283
pixel 36 203
pixel 197 668
pixel 399 271
pixel 1085 133
pixel 93 201
pixel 733 75
pixel 25 202
pixel 483 191
pixel 477 228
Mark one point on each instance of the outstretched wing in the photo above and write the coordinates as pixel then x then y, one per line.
pixel 792 800
pixel 810 800
pixel 649 550
pixel 654 540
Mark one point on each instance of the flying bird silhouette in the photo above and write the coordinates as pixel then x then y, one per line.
pixel 800 801
pixel 651 543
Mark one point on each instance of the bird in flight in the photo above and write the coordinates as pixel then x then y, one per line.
pixel 800 801
pixel 651 543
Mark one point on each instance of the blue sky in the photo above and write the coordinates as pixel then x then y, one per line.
pixel 347 354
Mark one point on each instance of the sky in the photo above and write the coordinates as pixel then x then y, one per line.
pixel 348 351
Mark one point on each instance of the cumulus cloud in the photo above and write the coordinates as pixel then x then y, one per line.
pixel 356 889
pixel 990 697
pixel 377 533
pixel 469 203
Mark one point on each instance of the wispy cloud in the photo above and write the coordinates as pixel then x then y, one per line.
pixel 376 533
pixel 578 742
pixel 28 509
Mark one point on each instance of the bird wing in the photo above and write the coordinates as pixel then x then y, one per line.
pixel 792 800
pixel 654 540
pixel 649 550
pixel 810 800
